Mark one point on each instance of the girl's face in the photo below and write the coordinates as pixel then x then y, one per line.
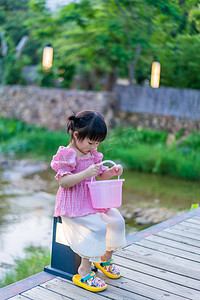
pixel 86 145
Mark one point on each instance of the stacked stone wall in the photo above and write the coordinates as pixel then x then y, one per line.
pixel 49 107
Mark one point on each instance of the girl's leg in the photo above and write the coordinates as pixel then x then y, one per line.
pixel 107 256
pixel 115 236
pixel 115 239
pixel 86 236
pixel 107 266
pixel 85 267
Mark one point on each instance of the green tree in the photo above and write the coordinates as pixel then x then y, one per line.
pixel 14 13
pixel 13 17
pixel 182 69
pixel 176 45
pixel 110 35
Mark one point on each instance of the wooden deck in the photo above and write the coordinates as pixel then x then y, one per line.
pixel 161 262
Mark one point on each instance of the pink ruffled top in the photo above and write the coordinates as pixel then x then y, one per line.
pixel 74 201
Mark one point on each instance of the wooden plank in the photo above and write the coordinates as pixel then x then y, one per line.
pixel 69 289
pixel 24 284
pixel 169 250
pixel 195 221
pixel 120 294
pixel 160 263
pixel 113 292
pixel 161 273
pixel 188 228
pixel 143 289
pixel 155 282
pixel 177 245
pixel 192 225
pixel 39 293
pixel 161 226
pixel 136 288
pixel 163 257
pixel 178 238
pixel 18 297
pixel 187 234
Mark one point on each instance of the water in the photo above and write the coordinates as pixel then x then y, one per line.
pixel 26 210
pixel 171 192
pixel 27 204
pixel 156 191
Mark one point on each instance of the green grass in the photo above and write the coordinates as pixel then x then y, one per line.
pixel 28 140
pixel 153 156
pixel 35 260
pixel 143 150
pixel 160 160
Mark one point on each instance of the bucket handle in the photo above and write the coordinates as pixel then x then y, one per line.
pixel 103 162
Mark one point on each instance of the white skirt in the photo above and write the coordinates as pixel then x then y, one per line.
pixel 90 236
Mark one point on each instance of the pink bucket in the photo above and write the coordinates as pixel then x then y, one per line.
pixel 106 193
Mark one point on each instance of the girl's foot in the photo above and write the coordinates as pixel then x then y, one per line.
pixel 90 282
pixel 109 269
pixel 83 271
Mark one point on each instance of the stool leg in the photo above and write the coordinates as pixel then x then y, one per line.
pixel 94 268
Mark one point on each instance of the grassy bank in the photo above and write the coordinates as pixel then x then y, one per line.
pixel 34 262
pixel 27 141
pixel 142 150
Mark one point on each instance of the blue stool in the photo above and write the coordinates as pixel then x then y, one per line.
pixel 64 262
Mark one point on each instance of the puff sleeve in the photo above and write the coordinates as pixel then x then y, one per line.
pixel 97 160
pixel 64 162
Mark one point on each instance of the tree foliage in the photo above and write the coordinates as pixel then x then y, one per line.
pixel 112 38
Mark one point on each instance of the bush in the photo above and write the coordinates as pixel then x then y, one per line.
pixel 35 260
pixel 22 138
pixel 192 141
pixel 142 150
pixel 66 74
pixel 46 78
pixel 13 69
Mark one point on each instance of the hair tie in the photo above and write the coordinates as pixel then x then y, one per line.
pixel 73 118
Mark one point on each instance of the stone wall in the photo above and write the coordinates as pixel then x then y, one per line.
pixel 161 109
pixel 49 106
pixel 157 122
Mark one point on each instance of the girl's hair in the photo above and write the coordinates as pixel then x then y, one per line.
pixel 89 124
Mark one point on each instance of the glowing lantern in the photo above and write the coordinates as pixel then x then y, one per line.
pixel 47 57
pixel 155 74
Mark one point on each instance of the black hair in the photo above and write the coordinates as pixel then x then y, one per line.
pixel 89 124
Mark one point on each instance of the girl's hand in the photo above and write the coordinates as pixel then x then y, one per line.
pixel 117 170
pixel 93 170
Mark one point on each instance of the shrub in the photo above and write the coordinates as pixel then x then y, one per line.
pixel 142 150
pixel 35 260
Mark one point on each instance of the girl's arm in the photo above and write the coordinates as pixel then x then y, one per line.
pixel 67 181
pixel 107 174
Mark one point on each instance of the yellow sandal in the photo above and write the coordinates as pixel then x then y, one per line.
pixel 90 282
pixel 109 269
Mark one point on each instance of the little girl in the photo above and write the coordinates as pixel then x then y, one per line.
pixel 91 233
